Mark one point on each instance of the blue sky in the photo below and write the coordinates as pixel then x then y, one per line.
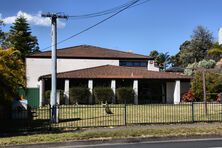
pixel 158 24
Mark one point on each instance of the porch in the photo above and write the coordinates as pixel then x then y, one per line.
pixel 146 91
pixel 148 86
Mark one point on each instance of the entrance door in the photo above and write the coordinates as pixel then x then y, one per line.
pixel 151 91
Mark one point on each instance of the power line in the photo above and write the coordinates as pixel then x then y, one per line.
pixel 98 23
pixel 105 12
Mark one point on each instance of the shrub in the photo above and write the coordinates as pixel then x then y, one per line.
pixel 79 95
pixel 188 96
pixel 125 93
pixel 103 94
pixel 47 97
pixel 213 85
pixel 201 64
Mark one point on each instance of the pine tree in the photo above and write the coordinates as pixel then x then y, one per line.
pixel 21 38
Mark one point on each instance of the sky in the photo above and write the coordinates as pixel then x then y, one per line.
pixel 161 25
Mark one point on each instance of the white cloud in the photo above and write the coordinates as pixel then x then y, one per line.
pixel 35 19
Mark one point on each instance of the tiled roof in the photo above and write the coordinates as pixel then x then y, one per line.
pixel 86 51
pixel 116 72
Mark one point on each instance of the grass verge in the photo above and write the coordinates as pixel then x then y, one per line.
pixel 113 134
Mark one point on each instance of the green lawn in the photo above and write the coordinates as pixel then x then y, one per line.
pixel 118 132
pixel 94 115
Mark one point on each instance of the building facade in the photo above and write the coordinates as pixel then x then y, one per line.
pixel 94 66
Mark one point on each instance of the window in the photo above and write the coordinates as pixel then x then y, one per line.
pixel 134 63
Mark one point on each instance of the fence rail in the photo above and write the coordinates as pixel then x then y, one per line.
pixel 73 116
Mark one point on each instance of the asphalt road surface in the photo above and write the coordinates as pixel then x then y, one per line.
pixel 179 143
pixel 192 143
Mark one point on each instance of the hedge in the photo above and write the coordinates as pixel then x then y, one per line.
pixel 103 94
pixel 125 93
pixel 47 97
pixel 79 95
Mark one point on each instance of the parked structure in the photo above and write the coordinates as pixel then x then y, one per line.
pixel 91 66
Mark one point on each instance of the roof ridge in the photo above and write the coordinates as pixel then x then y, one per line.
pixel 118 50
pixel 143 73
pixel 103 48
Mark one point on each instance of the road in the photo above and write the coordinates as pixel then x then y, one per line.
pixel 191 143
pixel 179 143
pixel 164 144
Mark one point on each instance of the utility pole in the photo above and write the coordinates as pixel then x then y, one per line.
pixel 53 98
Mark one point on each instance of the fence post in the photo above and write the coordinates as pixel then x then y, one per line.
pixel 50 110
pixel 220 102
pixel 192 106
pixel 125 115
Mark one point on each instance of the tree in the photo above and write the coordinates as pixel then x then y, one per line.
pixel 154 54
pixel 194 50
pixel 175 60
pixel 2 34
pixel 184 56
pixel 20 38
pixel 11 74
pixel 201 42
pixel 206 64
pixel 162 59
pixel 216 51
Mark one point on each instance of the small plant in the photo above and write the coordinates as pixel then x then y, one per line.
pixel 103 94
pixel 47 97
pixel 125 94
pixel 188 96
pixel 79 95
pixel 48 94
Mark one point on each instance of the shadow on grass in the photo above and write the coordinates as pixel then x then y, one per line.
pixel 108 115
pixel 21 127
pixel 9 128
pixel 69 120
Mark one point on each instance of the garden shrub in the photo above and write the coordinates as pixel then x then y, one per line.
pixel 103 94
pixel 47 97
pixel 213 85
pixel 125 93
pixel 188 96
pixel 201 64
pixel 79 95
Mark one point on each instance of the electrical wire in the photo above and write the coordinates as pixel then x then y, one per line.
pixel 100 13
pixel 105 12
pixel 98 23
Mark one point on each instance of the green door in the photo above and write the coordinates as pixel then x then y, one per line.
pixel 30 94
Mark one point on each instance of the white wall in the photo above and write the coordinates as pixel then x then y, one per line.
pixel 151 66
pixel 36 67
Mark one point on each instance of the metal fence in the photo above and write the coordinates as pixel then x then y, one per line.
pixel 75 116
